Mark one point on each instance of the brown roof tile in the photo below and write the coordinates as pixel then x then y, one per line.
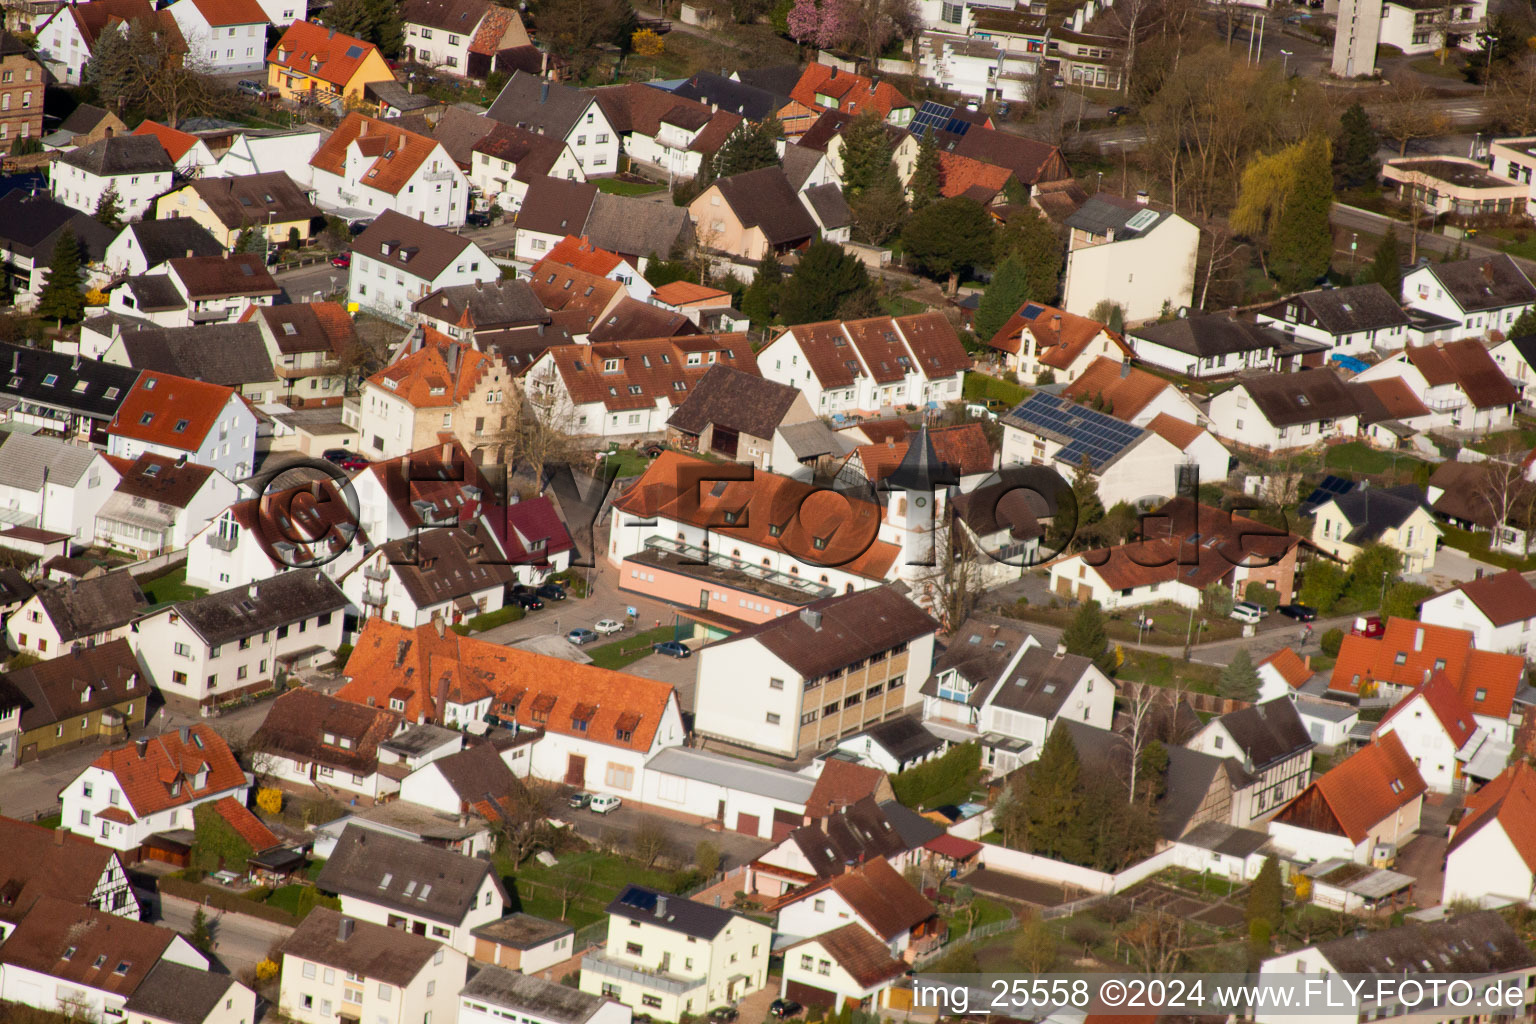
pixel 308 725
pixel 82 946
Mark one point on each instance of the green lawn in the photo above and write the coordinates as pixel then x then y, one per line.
pixel 286 897
pixel 1521 439
pixel 985 912
pixel 591 877
pixel 1167 671
pixel 629 648
pixel 1357 457
pixel 626 188
pixel 900 305
pixel 1451 69
pixel 980 386
pixel 170 588
pixel 629 461
pixel 1171 623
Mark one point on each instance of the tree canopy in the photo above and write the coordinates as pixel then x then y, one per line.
pixel 827 282
pixel 1033 239
pixel 1386 268
pixel 1354 155
pixel 1239 679
pixel 949 237
pixel 1286 197
pixel 1084 635
pixel 1007 291
pixel 927 175
pixel 750 148
pixel 61 298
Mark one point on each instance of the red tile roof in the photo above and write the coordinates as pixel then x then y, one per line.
pixel 564 288
pixel 1509 799
pixel 43 862
pixel 162 776
pixel 1179 433
pixel 671 489
pixel 441 477
pixel 883 348
pixel 246 825
pixel 853 94
pixel 392 154
pixel 1408 652
pixel 1397 398
pixel 1125 390
pixel 959 174
pixel 648 370
pixel 442 373
pixel 172 411
pixel 1060 337
pixel 964 447
pixel 684 293
pixel 842 784
pixel 1290 665
pixel 1503 598
pixel 1191 544
pixel 82 946
pixel 584 256
pixel 428 670
pixel 1371 785
pixel 643 109
pixel 176 143
pixel 1440 697
pixel 224 13
pixel 1467 364
pixel 855 950
pixel 882 898
pixel 306 45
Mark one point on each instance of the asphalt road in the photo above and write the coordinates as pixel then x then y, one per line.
pixel 736 849
pixel 239 942
pixel 1355 219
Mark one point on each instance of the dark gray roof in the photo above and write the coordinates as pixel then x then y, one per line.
pixel 1488 282
pixel 492 305
pixel 478 773
pixel 1219 837
pixel 83 608
pixel 31 225
pixel 1327 710
pixel 1339 311
pixel 174 238
pixel 180 994
pixel 393 94
pixel 813 438
pixel 532 996
pixel 370 951
pixel 740 401
pixel 913 828
pixel 1268 733
pixel 419 739
pixel 846 835
pixel 903 738
pixel 523 931
pixel 1302 397
pixel 1204 336
pixel 1476 943
pixel 555 206
pixel 420 250
pixel 393 872
pixel 749 101
pixel 798 162
pixel 780 79
pixel 545 107
pixel 286 598
pixel 837 631
pixel 635 227
pixel 764 199
pixel 1126 218
pixel 1371 511
pixel 25 373
pixel 458 131
pixel 121 154
pixel 830 206
pixel 675 913
pixel 1040 682
pixel 154 292
pixel 82 119
pixel 978 651
pixel 228 354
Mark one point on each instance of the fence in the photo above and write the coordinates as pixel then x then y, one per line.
pixel 981 931
pixel 1028 865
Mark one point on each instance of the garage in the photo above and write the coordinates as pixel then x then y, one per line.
pixel 810 995
pixel 746 824
pixel 1063 586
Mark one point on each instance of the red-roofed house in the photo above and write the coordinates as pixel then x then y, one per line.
pixel 224 35
pixel 460 37
pixel 256 539
pixel 1409 652
pixel 1041 339
pixel 1436 729
pixel 964 447
pixel 439 485
pixel 187 152
pixel 846 963
pixel 972 178
pixel 151 785
pixel 322 65
pixel 864 365
pixel 1373 797
pixel 1283 673
pixel 246 825
pixel 444 387
pixel 874 896
pixel 68 38
pixel 1458 380
pixel 599 726
pixel 1126 393
pixel 824 87
pixel 583 255
pixel 372 166
pixel 1499 611
pixel 204 423
pixel 1492 853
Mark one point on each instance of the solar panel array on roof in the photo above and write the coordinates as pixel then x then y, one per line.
pixel 936 117
pixel 1031 310
pixel 1328 488
pixel 1085 431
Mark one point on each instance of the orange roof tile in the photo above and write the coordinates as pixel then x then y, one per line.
pixel 1060 336
pixel 1350 799
pixel 671 488
pixel 162 776
pixel 245 824
pixel 1408 652
pixel 223 13
pixel 429 670
pixel 1191 544
pixel 172 411
pixel 443 372
pixel 647 369
pixel 1509 799
pixel 176 143
pixel 685 293
pixel 394 154
pixel 1440 696
pixel 1125 390
pixel 321 53
pixel 564 288
pixel 958 174
pixel 1290 665
pixel 1179 433
pixel 854 93
pixel 964 447
pixel 583 255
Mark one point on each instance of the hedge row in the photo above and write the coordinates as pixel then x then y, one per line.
pixel 222 900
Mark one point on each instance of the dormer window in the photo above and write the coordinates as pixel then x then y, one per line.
pixel 775 530
pixel 820 543
pixel 610 365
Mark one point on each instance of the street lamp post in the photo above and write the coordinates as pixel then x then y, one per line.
pixel 1285 57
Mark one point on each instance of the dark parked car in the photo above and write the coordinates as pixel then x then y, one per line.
pixel 579 801
pixel 1116 113
pixel 553 591
pixel 478 220
pixel 341 259
pixel 723 1014
pixel 672 649
pixel 785 1008
pixel 344 459
pixel 1299 612
pixel 528 599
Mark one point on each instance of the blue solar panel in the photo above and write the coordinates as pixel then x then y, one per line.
pixel 931 116
pixel 1085 431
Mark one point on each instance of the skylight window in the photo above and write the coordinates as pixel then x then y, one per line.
pixel 80 386
pixel 146 419
pixel 111 393
pixel 50 380
pixel 150 382
pixel 290 330
pixel 181 426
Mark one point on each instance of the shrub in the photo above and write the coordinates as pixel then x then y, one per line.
pixel 270 799
pixel 1331 641
pixel 933 781
pixel 266 970
pixel 1261 595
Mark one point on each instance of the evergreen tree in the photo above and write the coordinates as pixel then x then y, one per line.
pixel 749 149
pixel 1052 802
pixel 61 298
pixel 927 175
pixel 866 153
pixel 879 210
pixel 826 281
pixel 949 237
pixel 1525 324
pixel 201 937
pixel 109 209
pixel 1239 680
pixel 250 240
pixel 1008 291
pixel 1387 268
pixel 1354 158
pixel 1152 772
pixel 1090 507
pixel 1301 242
pixel 1031 237
pixel 1266 898
pixel 1085 635
pixel 761 300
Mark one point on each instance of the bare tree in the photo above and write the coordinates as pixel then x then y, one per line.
pixel 1157 941
pixel 1140 698
pixel 524 820
pixel 1504 489
pixel 570 887
pixel 544 430
pixel 956 581
pixel 1221 250
pixel 650 841
pixel 1407 115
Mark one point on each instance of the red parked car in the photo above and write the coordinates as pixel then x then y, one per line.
pixel 341 260
pixel 1369 625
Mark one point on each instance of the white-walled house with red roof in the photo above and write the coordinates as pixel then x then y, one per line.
pixel 1374 797
pixel 1491 858
pixel 1440 734
pixel 204 423
pixel 368 166
pixel 151 785
pixel 1499 611
pixel 254 540
pixel 223 35
pixel 189 153
pixel 1283 673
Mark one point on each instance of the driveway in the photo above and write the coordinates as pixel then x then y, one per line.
pixel 735 849
pixel 239 942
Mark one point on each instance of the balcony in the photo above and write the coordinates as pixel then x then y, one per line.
pixel 379 573
pixel 657 981
pixel 437 176
pixel 373 596
pixel 810 589
pixel 221 542
pixel 210 316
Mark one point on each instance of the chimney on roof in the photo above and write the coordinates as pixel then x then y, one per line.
pixel 1125 370
pixel 344 929
pixel 108 135
pixel 362 128
pixel 834 72
pixel 1061 650
pixel 250 591
pixel 402 140
pixel 543 92
pixel 811 618
pixel 143 746
pixel 661 906
pixel 58 837
pixel 1306 662
pixel 74 363
pixel 1141 198
pixel 190 254
pixel 330 33
pixel 1487 269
